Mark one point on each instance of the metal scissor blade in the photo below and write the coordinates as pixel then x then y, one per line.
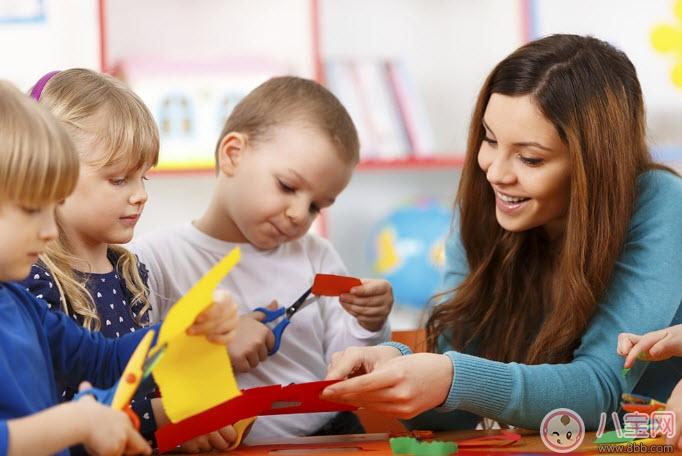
pixel 300 302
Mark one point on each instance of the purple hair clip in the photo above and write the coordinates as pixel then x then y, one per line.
pixel 40 85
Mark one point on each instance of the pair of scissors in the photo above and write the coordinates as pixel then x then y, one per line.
pixel 286 313
pixel 139 367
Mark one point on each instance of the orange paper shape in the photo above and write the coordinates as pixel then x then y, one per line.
pixel 333 285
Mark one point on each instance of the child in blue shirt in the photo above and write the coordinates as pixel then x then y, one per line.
pixel 38 169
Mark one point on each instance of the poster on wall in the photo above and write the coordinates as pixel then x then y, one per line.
pixel 650 33
pixel 21 11
pixel 191 101
pixel 38 36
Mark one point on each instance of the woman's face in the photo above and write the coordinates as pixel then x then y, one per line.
pixel 526 164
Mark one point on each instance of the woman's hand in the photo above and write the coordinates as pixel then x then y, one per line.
pixel 359 360
pixel 402 386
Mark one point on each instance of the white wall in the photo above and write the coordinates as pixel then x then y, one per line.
pixel 68 36
pixel 182 30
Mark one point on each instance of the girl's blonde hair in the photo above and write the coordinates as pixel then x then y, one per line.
pixel 129 135
pixel 38 163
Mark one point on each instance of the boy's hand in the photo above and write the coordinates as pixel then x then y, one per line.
pixel 652 346
pixel 220 440
pixel 253 341
pixel 108 431
pixel 219 321
pixel 370 303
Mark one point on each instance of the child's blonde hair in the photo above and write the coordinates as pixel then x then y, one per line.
pixel 129 135
pixel 38 163
pixel 291 99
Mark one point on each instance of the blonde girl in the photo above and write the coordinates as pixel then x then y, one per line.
pixel 85 272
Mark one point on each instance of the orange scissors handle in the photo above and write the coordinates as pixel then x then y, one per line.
pixel 134 419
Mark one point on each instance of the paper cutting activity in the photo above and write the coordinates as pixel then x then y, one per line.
pixel 317 227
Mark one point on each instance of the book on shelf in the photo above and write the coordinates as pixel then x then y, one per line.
pixel 412 110
pixel 385 106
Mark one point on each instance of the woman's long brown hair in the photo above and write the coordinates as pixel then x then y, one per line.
pixel 528 299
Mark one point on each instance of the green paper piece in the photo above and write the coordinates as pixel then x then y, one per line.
pixel 625 371
pixel 612 437
pixel 412 446
pixel 401 445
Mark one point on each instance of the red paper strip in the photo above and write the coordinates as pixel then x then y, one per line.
pixel 333 285
pixel 295 398
pixel 642 408
pixel 504 438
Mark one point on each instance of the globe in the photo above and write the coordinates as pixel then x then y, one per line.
pixel 407 248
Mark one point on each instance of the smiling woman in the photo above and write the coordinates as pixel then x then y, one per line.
pixel 566 234
pixel 527 165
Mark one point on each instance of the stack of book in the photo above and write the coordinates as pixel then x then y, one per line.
pixel 384 103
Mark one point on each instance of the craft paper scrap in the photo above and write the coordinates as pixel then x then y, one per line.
pixel 194 374
pixel 412 446
pixel 612 437
pixel 333 285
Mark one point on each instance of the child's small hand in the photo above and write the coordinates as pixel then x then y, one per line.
pixel 370 303
pixel 253 341
pixel 219 440
pixel 652 346
pixel 108 431
pixel 219 321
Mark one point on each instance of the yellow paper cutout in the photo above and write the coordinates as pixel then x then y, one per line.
pixel 242 428
pixel 194 374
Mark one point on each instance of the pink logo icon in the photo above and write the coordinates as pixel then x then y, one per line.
pixel 562 430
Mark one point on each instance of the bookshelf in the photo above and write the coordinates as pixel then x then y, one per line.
pixel 413 163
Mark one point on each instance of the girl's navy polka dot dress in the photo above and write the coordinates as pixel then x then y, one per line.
pixel 117 318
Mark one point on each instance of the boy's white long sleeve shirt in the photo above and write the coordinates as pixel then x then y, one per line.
pixel 177 257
